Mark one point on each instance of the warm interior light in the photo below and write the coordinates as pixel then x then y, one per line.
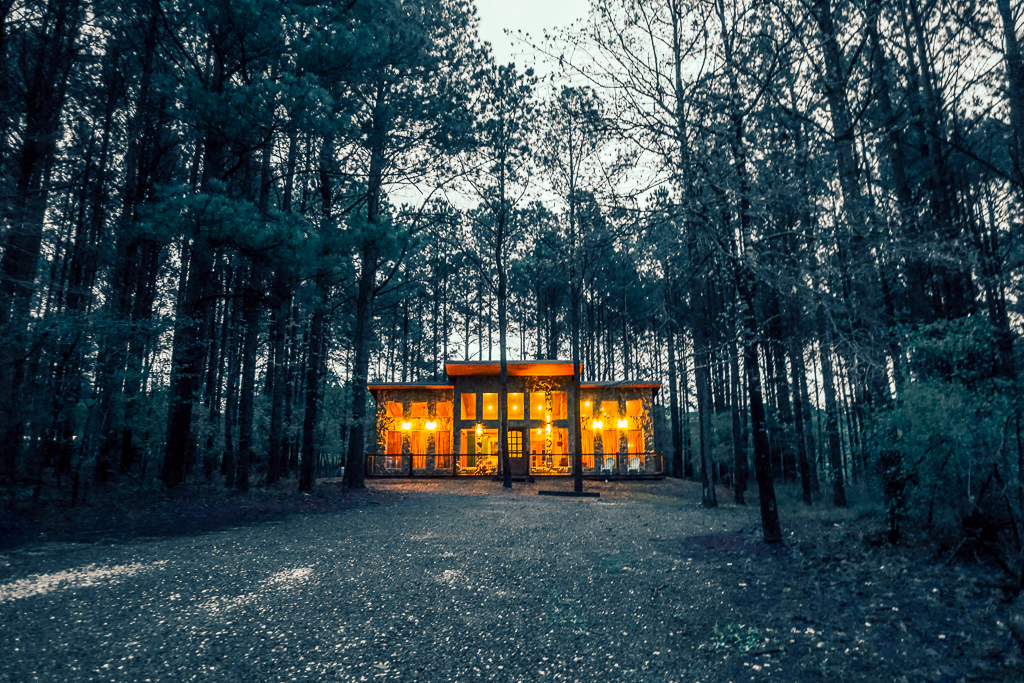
pixel 623 424
pixel 490 407
pixel 431 426
pixel 406 426
pixel 598 424
pixel 586 403
pixel 515 407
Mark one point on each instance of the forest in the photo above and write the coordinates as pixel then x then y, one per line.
pixel 221 219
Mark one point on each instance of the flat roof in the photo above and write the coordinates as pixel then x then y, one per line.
pixel 612 385
pixel 407 385
pixel 516 368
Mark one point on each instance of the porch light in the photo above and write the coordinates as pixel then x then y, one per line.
pixel 623 424
pixel 598 424
pixel 479 428
pixel 406 426
pixel 431 426
pixel 547 428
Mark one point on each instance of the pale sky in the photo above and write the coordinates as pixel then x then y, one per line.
pixel 528 16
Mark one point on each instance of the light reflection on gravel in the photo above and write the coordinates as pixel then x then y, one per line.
pixel 441 586
pixel 80 577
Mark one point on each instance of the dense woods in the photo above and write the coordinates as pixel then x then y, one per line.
pixel 221 219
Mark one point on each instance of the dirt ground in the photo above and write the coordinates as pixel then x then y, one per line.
pixel 462 580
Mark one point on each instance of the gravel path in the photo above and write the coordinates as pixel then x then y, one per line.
pixel 446 581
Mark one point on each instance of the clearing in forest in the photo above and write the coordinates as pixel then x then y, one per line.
pixel 462 580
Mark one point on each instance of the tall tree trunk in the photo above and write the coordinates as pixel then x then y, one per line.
pixel 739 446
pixel 367 290
pixel 702 373
pixel 314 363
pixel 796 358
pixel 770 526
pixel 835 456
pixel 673 394
pixel 250 345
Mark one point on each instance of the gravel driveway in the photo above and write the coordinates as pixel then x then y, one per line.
pixel 435 583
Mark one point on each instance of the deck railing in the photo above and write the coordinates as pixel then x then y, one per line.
pixel 595 465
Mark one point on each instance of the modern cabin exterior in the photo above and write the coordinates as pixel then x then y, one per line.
pixel 451 429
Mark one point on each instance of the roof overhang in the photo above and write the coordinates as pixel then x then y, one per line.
pixel 516 368
pixel 406 385
pixel 654 386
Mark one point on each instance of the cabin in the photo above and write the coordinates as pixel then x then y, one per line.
pixel 451 429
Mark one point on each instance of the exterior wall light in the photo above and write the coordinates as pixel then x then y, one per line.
pixel 623 424
pixel 479 428
pixel 598 424
pixel 406 426
pixel 431 426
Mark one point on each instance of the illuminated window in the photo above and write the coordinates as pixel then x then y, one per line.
pixel 515 406
pixel 610 408
pixel 393 461
pixel 490 407
pixel 559 405
pixel 442 450
pixel 443 409
pixel 394 409
pixel 588 447
pixel 469 406
pixel 634 408
pixel 635 439
pixel 537 405
pixel 419 409
pixel 610 441
pixel 587 408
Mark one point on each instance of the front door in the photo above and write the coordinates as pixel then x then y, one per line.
pixel 515 452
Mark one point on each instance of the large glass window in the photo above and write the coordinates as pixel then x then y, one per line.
pixel 634 408
pixel 419 409
pixel 588 447
pixel 635 441
pixel 468 407
pixel 443 409
pixel 490 407
pixel 394 443
pixel 610 441
pixel 442 450
pixel 515 406
pixel 560 447
pixel 558 405
pixel 394 409
pixel 537 405
pixel 609 409
pixel 586 408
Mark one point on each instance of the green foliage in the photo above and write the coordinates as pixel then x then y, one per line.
pixel 960 350
pixel 934 449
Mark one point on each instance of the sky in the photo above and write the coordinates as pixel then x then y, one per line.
pixel 528 16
